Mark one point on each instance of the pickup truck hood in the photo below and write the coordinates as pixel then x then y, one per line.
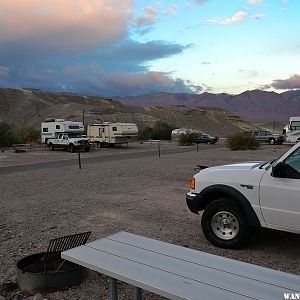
pixel 233 175
pixel 247 166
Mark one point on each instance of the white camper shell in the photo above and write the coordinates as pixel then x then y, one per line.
pixel 51 128
pixel 112 133
pixel 292 130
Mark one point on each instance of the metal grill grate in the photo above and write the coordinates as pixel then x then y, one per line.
pixel 64 243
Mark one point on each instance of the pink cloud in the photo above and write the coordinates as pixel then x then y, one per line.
pixel 286 84
pixel 64 24
pixel 149 18
pixel 239 17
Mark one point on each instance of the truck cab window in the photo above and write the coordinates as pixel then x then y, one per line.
pixel 291 167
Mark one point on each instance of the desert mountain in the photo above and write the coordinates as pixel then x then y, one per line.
pixel 31 107
pixel 254 106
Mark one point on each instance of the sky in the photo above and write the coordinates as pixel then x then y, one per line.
pixel 127 48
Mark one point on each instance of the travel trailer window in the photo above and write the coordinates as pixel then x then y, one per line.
pixel 45 129
pixel 74 127
pixel 57 126
pixel 114 128
pixel 295 125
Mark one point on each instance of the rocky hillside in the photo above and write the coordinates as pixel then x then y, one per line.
pixel 31 107
pixel 254 106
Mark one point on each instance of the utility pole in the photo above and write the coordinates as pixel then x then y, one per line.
pixel 83 116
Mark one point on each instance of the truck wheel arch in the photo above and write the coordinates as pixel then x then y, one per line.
pixel 217 191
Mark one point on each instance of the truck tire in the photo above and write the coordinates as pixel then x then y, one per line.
pixel 271 141
pixel 224 224
pixel 51 146
pixel 71 148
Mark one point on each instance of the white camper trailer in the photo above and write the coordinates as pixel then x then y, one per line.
pixel 175 134
pixel 112 133
pixel 292 130
pixel 50 128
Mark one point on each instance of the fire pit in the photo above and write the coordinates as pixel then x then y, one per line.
pixel 46 270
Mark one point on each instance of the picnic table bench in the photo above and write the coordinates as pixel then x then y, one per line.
pixel 18 148
pixel 179 273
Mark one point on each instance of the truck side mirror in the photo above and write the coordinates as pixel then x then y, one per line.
pixel 277 170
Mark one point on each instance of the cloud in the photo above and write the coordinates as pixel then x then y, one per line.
pixel 286 84
pixel 61 26
pixel 172 9
pixel 239 17
pixel 149 18
pixel 82 46
pixel 95 80
pixel 4 71
pixel 132 56
pixel 200 1
pixel 255 2
pixel 258 16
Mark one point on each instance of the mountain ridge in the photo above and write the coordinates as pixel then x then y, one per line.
pixel 254 106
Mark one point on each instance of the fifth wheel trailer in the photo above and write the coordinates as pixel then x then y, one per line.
pixel 112 133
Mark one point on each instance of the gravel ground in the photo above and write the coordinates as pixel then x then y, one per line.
pixel 145 196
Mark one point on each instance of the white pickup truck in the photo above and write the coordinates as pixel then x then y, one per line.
pixel 239 197
pixel 69 141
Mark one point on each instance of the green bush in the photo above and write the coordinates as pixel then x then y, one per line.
pixel 11 135
pixel 239 141
pixel 186 139
pixel 159 131
pixel 7 136
pixel 26 135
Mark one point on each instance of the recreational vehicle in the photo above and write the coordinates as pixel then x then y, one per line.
pixel 112 133
pixel 51 128
pixel 292 130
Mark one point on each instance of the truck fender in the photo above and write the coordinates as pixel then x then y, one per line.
pixel 217 191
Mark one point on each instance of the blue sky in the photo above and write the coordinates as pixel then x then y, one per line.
pixel 124 47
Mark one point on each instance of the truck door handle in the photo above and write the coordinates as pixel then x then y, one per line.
pixel 247 186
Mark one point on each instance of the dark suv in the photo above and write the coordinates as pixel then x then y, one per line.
pixel 267 136
pixel 205 138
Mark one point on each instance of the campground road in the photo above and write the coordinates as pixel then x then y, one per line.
pixel 97 157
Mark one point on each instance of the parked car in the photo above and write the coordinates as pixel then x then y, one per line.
pixel 267 136
pixel 206 138
pixel 237 198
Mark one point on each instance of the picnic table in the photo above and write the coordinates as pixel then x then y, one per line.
pixel 177 272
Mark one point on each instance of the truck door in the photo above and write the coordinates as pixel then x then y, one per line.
pixel 280 195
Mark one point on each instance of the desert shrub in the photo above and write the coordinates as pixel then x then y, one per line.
pixel 7 137
pixel 159 131
pixel 186 139
pixel 25 135
pixel 240 141
pixel 11 135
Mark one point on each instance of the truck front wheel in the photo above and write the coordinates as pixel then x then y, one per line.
pixel 72 148
pixel 51 147
pixel 224 224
